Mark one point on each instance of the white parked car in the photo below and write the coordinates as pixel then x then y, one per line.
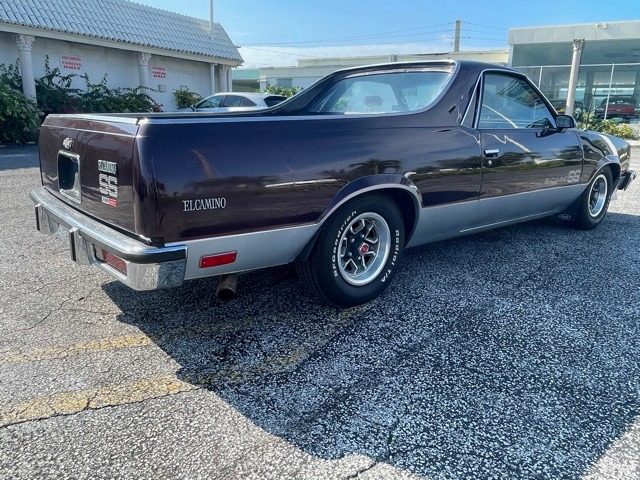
pixel 235 101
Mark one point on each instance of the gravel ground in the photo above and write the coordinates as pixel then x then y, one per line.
pixel 511 354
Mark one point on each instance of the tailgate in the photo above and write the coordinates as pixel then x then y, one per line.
pixel 88 162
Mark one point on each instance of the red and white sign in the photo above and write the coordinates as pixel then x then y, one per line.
pixel 71 63
pixel 159 72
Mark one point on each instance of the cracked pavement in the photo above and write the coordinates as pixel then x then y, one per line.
pixel 511 354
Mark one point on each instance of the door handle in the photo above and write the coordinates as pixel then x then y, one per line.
pixel 492 152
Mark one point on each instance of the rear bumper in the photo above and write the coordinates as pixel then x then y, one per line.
pixel 147 267
pixel 625 179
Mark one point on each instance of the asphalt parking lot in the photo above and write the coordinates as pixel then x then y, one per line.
pixel 512 354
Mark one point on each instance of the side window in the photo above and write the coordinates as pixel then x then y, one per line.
pixel 510 102
pixel 382 93
pixel 248 103
pixel 232 101
pixel 212 102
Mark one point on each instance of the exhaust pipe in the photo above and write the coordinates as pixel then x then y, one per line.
pixel 227 285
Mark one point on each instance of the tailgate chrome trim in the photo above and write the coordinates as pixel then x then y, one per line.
pixel 148 267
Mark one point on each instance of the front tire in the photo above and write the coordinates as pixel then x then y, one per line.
pixel 595 201
pixel 357 252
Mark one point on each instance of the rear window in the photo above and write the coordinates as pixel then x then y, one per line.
pixel 382 93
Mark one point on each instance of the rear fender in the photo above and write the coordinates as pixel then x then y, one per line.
pixel 398 187
pixel 610 161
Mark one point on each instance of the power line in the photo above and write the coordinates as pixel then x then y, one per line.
pixel 279 52
pixel 393 34
pixel 487 26
pixel 482 31
pixel 364 37
pixel 485 38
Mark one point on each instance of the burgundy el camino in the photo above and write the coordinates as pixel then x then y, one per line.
pixel 338 179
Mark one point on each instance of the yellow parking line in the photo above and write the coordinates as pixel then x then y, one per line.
pixel 100 345
pixel 274 364
pixel 125 341
pixel 69 403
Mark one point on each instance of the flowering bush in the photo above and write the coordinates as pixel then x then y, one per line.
pixel 18 116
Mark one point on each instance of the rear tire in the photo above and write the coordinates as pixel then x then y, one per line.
pixel 595 201
pixel 357 252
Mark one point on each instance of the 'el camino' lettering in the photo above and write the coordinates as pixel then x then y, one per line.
pixel 204 204
pixel 107 167
pixel 572 177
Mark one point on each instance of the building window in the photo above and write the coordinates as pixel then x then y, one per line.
pixel 284 82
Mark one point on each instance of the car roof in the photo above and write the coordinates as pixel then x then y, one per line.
pixel 250 95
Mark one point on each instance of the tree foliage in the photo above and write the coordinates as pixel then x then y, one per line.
pixel 286 91
pixel 55 92
pixel 18 116
pixel 611 127
pixel 185 98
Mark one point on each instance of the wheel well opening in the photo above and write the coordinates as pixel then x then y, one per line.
pixel 407 207
pixel 615 172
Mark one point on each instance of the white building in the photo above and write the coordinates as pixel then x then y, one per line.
pixel 609 61
pixel 132 44
pixel 309 70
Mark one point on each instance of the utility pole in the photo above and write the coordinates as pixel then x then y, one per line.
pixel 456 37
pixel 211 19
pixel 578 45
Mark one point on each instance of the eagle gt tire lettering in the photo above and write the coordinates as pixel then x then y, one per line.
pixel 357 252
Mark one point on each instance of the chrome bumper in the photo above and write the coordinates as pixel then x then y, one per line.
pixel 147 267
pixel 626 178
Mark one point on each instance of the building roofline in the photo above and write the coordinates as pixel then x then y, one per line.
pixel 570 25
pixel 122 24
pixel 117 44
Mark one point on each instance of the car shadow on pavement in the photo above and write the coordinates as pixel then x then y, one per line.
pixel 18 156
pixel 508 354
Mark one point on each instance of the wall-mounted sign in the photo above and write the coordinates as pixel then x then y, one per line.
pixel 71 63
pixel 159 72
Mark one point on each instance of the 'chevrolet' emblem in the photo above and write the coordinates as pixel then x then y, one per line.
pixel 67 143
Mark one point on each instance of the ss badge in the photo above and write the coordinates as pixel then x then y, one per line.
pixel 108 183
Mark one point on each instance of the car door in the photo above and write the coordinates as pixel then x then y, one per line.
pixel 526 161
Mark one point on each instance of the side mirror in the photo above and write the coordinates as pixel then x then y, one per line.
pixel 565 121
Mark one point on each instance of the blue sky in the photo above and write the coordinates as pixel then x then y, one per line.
pixel 277 32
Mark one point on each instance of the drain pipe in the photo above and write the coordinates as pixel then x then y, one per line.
pixel 227 285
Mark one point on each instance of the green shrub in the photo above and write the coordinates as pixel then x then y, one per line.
pixel 18 116
pixel 286 91
pixel 99 98
pixel 10 75
pixel 611 127
pixel 185 98
pixel 54 91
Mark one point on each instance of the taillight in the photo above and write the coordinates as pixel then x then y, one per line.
pixel 218 259
pixel 112 260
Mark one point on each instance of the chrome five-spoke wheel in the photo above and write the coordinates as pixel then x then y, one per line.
pixel 598 196
pixel 364 248
pixel 594 201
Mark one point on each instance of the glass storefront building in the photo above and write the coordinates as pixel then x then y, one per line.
pixel 609 74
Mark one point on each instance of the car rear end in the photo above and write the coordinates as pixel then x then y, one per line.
pixel 93 195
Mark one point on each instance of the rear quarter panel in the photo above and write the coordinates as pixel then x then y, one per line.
pixel 277 172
